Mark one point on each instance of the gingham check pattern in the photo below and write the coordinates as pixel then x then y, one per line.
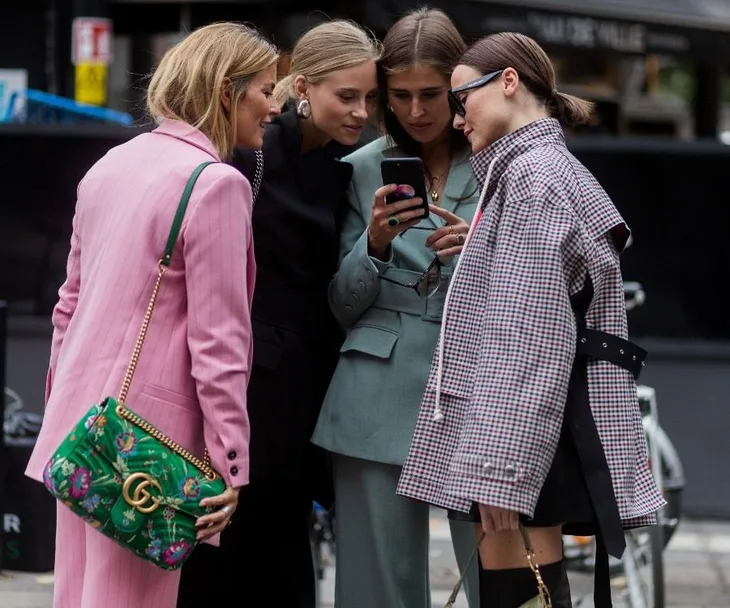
pixel 509 339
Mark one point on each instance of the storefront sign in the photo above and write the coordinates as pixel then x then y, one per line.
pixel 589 33
pixel 580 31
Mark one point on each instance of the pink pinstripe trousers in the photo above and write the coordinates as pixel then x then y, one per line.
pixel 92 571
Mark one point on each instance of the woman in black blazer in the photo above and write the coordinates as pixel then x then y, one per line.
pixel 326 102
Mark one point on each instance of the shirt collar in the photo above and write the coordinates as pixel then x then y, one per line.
pixel 187 133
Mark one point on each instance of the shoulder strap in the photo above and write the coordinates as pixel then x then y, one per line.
pixel 180 213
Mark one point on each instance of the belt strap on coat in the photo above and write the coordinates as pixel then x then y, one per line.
pixel 599 345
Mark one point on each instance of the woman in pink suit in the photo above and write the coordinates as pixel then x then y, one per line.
pixel 210 93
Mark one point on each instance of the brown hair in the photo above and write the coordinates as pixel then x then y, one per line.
pixel 536 71
pixel 189 80
pixel 423 36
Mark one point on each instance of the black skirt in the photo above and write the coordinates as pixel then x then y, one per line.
pixel 564 499
pixel 577 492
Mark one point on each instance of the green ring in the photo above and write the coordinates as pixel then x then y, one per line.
pixel 393 221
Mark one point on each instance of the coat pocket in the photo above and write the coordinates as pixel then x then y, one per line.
pixel 370 340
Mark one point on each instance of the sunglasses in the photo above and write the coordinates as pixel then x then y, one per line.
pixel 427 284
pixel 430 280
pixel 456 105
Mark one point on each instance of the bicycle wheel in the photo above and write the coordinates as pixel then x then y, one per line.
pixel 673 483
pixel 643 566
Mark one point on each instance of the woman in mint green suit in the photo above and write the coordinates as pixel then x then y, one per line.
pixel 389 295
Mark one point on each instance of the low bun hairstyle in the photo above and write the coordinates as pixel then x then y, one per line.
pixel 536 72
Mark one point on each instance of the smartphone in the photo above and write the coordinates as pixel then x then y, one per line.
pixel 406 172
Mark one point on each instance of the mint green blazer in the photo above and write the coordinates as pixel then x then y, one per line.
pixel 372 403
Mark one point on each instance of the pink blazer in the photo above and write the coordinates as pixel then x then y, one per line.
pixel 193 372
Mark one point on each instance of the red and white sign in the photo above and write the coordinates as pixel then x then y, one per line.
pixel 91 41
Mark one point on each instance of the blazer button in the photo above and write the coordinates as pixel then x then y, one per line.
pixel 488 467
pixel 511 471
pixel 234 471
pixel 232 455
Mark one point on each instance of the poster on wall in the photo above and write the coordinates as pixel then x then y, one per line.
pixel 12 91
pixel 91 54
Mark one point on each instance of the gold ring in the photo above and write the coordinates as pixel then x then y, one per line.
pixel 393 221
pixel 459 239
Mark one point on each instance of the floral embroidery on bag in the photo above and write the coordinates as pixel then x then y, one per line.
pixel 94 523
pixel 80 483
pixel 176 552
pixel 128 516
pixel 48 476
pixel 154 548
pixel 126 444
pixel 168 513
pixel 190 487
pixel 91 502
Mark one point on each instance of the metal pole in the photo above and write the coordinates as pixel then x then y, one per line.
pixel 3 459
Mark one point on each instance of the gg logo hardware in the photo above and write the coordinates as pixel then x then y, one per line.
pixel 141 496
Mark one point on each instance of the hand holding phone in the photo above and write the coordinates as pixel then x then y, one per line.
pixel 387 220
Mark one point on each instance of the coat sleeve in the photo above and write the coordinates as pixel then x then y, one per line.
pixel 216 249
pixel 68 297
pixel 527 347
pixel 355 286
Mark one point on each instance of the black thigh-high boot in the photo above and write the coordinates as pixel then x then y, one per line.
pixel 510 588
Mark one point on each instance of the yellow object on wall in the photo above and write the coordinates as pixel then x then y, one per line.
pixel 91 83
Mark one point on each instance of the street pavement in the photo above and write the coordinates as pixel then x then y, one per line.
pixel 697 566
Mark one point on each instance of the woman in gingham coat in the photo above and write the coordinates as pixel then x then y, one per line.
pixel 530 414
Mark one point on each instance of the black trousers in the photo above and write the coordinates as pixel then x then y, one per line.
pixel 265 556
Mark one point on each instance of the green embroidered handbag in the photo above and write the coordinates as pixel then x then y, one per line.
pixel 123 476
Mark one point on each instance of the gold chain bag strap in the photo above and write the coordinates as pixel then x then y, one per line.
pixel 541 600
pixel 126 478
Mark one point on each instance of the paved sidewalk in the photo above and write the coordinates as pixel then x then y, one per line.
pixel 697 566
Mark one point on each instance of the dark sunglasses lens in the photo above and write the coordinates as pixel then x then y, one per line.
pixel 455 104
pixel 430 282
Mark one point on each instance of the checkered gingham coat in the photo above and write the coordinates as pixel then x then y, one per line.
pixel 491 415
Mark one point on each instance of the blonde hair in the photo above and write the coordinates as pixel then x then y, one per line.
pixel 334 45
pixel 189 80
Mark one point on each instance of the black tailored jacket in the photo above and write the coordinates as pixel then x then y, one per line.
pixel 296 339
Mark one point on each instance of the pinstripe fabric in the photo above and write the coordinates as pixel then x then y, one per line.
pixel 509 339
pixel 192 375
pixel 101 574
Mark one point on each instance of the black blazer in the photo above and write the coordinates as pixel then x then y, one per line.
pixel 296 339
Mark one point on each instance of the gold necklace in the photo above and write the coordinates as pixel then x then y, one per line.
pixel 433 184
